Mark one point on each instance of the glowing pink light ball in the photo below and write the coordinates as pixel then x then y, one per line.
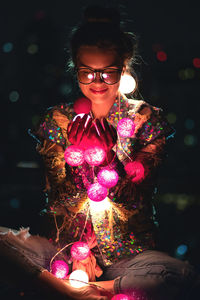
pixel 94 155
pixel 80 250
pixel 74 156
pixel 126 127
pixel 107 178
pixel 60 269
pixel 82 105
pixel 120 297
pixel 97 192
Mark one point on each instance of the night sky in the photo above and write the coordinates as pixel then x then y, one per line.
pixel 33 77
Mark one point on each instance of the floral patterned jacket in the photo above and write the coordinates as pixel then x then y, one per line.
pixel 123 225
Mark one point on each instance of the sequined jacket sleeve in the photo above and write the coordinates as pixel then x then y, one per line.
pixel 52 141
pixel 151 132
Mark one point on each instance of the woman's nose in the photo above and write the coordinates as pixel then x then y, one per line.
pixel 98 78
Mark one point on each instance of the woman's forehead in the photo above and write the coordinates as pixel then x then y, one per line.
pixel 97 58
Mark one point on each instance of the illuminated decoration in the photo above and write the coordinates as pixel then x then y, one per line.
pixel 74 155
pixel 107 178
pixel 80 250
pixel 97 192
pixel 196 62
pixel 82 105
pixel 125 127
pixel 161 56
pixel 127 84
pixel 94 155
pixel 60 269
pixel 120 297
pixel 78 279
pixel 135 168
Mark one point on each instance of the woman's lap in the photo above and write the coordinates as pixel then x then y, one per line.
pixel 155 273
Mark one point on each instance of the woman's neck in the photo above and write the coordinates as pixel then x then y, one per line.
pixel 100 111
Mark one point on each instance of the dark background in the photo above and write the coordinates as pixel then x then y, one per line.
pixel 33 77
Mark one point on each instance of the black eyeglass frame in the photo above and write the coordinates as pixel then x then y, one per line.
pixel 100 71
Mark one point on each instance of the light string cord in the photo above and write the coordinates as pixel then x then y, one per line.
pixel 87 283
pixel 118 136
pixel 58 253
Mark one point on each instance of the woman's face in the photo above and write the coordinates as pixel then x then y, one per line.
pixel 95 58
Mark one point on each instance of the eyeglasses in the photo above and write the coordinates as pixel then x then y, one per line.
pixel 107 75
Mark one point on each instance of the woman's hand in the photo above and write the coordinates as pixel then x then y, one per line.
pixel 77 130
pixel 85 132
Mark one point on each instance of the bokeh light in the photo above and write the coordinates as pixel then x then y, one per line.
pixel 161 56
pixel 32 49
pixel 196 62
pixel 189 124
pixel 171 117
pixel 187 73
pixel 7 47
pixel 181 250
pixel 190 140
pixel 78 279
pixel 60 269
pixel 65 89
pixel 14 96
pixel 80 250
pixel 15 203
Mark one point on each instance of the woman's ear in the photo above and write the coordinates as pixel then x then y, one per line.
pixel 123 69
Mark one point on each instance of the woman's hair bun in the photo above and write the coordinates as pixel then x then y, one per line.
pixel 98 14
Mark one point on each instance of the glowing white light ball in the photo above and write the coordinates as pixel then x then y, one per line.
pixel 74 156
pixel 107 178
pixel 60 269
pixel 94 155
pixel 127 84
pixel 97 192
pixel 125 127
pixel 78 279
pixel 80 250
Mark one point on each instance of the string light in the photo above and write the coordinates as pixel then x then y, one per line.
pixel 97 192
pixel 108 178
pixel 60 269
pixel 74 155
pixel 125 127
pixel 78 278
pixel 80 250
pixel 94 155
pixel 82 106
pixel 127 84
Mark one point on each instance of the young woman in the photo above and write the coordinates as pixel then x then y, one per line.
pixel 119 229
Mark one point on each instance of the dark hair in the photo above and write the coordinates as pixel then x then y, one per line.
pixel 101 27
